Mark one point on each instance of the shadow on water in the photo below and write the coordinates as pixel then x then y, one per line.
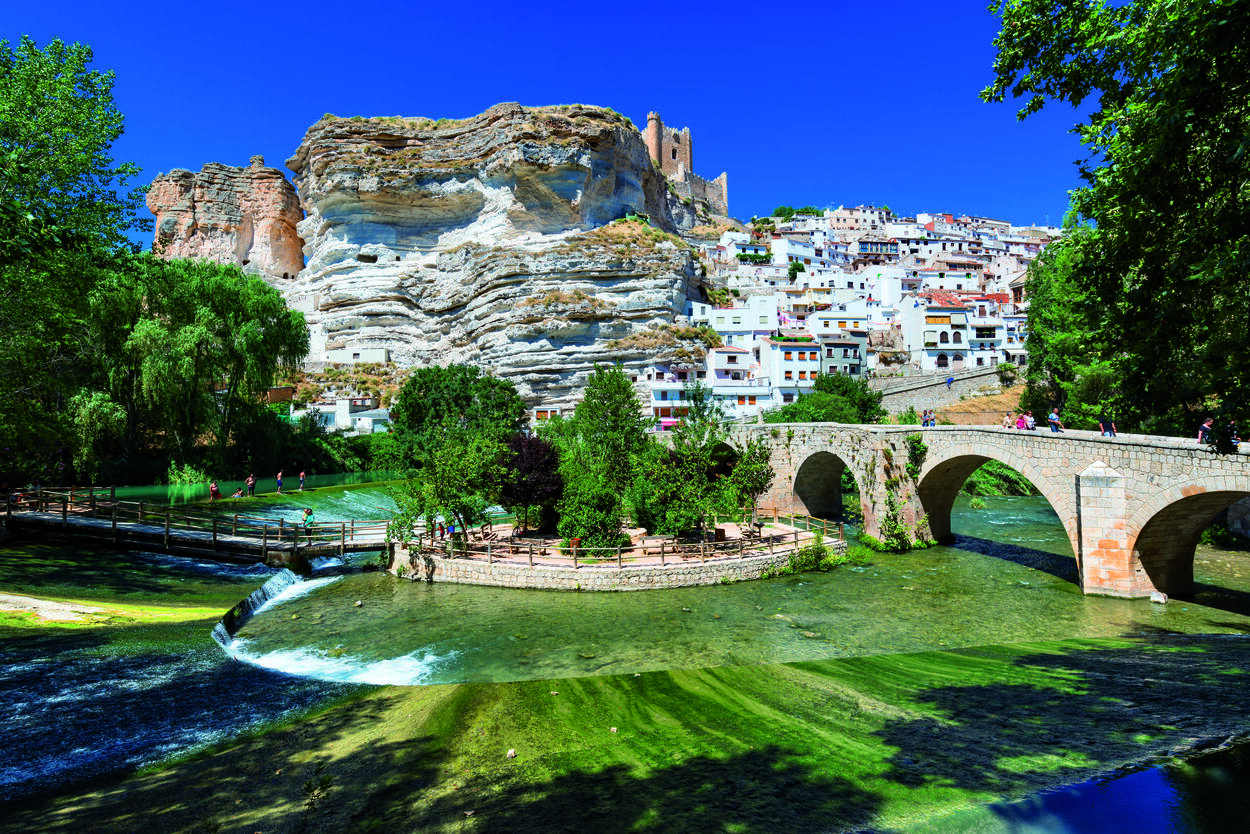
pixel 1057 565
pixel 116 709
pixel 1010 739
pixel 759 790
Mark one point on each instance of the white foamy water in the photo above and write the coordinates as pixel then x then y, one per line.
pixel 294 591
pixel 411 669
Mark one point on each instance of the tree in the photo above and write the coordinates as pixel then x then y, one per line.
pixel 461 472
pixel 817 407
pixel 531 475
pixel 855 390
pixel 433 395
pixel 1164 262
pixel 752 473
pixel 610 423
pixel 57 122
pixel 794 269
pixel 190 345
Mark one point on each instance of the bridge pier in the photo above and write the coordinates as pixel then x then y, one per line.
pixel 1104 554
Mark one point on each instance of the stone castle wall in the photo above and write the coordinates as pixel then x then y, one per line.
pixel 673 150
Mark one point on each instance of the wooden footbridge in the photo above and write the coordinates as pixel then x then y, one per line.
pixel 97 515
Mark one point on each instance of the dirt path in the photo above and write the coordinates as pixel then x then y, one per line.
pixel 47 609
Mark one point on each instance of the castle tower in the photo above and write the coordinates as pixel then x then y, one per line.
pixel 670 147
pixel 652 136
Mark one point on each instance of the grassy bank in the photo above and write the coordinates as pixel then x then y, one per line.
pixel 811 746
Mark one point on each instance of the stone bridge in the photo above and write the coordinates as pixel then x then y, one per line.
pixel 1133 505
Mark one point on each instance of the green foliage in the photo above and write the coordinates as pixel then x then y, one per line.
pixel 591 511
pixel 459 477
pixel 908 417
pixel 1156 283
pixel 752 473
pixel 818 556
pixel 916 451
pixel 784 212
pixel 995 478
pixel 794 269
pixel 866 401
pixel 752 258
pixel 57 123
pixel 461 394
pixel 810 211
pixel 977 503
pixel 611 426
pixel 817 407
pixel 186 474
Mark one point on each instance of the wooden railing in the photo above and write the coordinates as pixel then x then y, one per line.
pixel 102 504
pixel 523 550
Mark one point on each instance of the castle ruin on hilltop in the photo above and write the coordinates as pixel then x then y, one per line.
pixel 672 150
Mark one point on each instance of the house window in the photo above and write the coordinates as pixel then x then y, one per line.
pixel 789 354
pixel 664 395
pixel 731 360
pixel 829 352
pixel 742 399
pixel 941 360
pixel 944 337
pixel 787 398
pixel 980 361
pixel 751 399
pixel 674 153
pixel 802 374
pixel 958 338
pixel 700 374
pixel 789 374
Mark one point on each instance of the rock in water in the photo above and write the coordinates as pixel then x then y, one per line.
pixel 244 216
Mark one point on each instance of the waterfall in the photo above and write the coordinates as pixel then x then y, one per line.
pixel 234 619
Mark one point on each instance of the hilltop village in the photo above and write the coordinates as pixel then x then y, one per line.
pixel 537 243
pixel 854 291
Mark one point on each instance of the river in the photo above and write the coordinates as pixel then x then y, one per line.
pixel 87 702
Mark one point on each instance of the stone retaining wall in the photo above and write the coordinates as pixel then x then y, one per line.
pixel 436 568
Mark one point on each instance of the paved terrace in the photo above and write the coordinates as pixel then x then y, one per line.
pixel 1133 505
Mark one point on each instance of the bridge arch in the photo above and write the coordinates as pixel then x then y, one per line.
pixel 818 484
pixel 1164 529
pixel 942 478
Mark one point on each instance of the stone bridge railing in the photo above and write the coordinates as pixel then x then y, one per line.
pixel 1133 505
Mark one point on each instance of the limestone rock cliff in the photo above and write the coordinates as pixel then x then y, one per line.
pixel 484 241
pixel 246 216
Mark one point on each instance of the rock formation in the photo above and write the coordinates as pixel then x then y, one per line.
pixel 488 240
pixel 246 216
pixel 480 241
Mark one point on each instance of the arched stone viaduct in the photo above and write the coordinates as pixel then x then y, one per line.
pixel 1133 505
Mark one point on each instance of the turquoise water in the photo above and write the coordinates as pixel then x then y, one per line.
pixel 266 486
pixel 1009 577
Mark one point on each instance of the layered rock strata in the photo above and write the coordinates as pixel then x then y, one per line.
pixel 480 241
pixel 246 216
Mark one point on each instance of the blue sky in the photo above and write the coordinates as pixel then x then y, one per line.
pixel 821 103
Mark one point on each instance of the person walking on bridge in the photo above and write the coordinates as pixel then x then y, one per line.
pixel 1204 431
pixel 1106 425
pixel 310 520
pixel 1053 419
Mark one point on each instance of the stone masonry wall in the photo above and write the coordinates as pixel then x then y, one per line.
pixel 587 578
pixel 931 391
